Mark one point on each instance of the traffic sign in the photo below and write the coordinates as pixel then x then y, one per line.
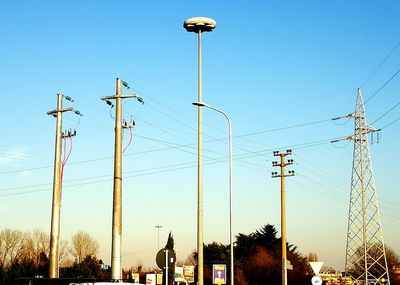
pixel 160 258
pixel 219 274
pixel 316 280
pixel 316 266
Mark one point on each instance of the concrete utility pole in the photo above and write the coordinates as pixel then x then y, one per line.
pixel 116 269
pixel 282 175
pixel 56 204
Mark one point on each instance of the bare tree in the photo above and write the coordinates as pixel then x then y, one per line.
pixel 12 245
pixel 64 253
pixel 83 245
pixel 191 258
pixel 37 245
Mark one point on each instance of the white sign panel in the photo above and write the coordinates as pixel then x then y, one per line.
pixel 150 279
pixel 316 266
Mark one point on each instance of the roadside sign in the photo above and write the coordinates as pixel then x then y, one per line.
pixel 135 278
pixel 188 273
pixel 219 274
pixel 159 278
pixel 150 279
pixel 179 277
pixel 316 280
pixel 316 266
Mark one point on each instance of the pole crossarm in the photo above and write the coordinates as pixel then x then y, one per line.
pixel 54 112
pixel 282 164
pixel 126 96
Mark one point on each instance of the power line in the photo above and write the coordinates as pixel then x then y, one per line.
pixel 387 112
pixel 381 64
pixel 383 86
pixel 391 123
pixel 283 128
pixel 179 166
pixel 171 145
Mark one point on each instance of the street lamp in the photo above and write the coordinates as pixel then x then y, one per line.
pixel 158 227
pixel 198 25
pixel 202 104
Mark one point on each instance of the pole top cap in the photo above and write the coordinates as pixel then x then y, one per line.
pixel 199 24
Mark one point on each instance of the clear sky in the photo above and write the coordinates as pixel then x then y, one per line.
pixel 280 69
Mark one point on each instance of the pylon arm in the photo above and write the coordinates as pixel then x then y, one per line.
pixel 351 115
pixel 127 96
pixel 53 112
pixel 121 96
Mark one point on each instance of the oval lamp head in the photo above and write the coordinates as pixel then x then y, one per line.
pixel 199 24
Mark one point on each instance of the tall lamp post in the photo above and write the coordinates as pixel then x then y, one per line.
pixel 202 104
pixel 199 25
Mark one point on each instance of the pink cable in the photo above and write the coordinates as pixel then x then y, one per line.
pixel 65 159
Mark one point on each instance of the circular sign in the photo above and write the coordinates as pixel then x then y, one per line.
pixel 316 280
pixel 160 257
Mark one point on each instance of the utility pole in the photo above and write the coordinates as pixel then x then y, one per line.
pixel 57 185
pixel 366 259
pixel 282 175
pixel 116 269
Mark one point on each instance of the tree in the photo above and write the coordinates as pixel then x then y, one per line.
pixel 171 266
pixel 393 261
pixel 12 246
pixel 38 243
pixel 191 259
pixel 64 252
pixel 89 267
pixel 83 245
pixel 258 259
pixel 261 267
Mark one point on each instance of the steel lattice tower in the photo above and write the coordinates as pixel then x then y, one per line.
pixel 365 252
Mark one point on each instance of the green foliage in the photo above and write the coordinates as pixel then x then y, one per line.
pixel 89 267
pixel 257 259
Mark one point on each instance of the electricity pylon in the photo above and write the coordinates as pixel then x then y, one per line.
pixel 365 251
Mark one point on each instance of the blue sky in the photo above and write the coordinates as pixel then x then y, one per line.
pixel 280 69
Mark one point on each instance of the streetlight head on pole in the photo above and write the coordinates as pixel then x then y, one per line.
pixel 200 104
pixel 199 24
